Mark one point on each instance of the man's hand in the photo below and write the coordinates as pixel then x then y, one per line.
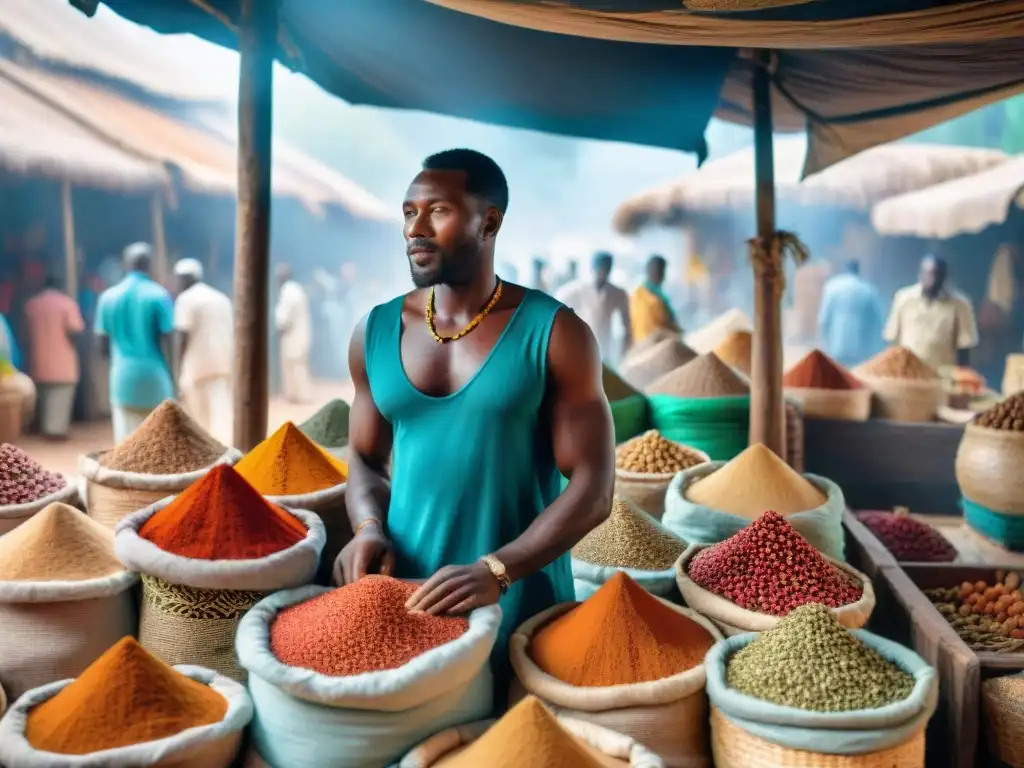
pixel 455 590
pixel 369 552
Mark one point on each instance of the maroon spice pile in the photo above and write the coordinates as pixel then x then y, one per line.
pixel 909 540
pixel 22 479
pixel 770 568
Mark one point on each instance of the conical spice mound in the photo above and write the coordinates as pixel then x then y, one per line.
pixel 290 464
pixel 168 442
pixel 754 481
pixel 58 543
pixel 652 363
pixel 630 538
pixel 704 376
pixel 735 350
pixel 329 425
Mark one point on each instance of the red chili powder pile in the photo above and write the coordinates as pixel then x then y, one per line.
pixel 361 627
pixel 770 568
pixel 619 636
pixel 816 370
pixel 222 517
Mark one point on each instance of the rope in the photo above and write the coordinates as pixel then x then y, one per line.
pixel 768 260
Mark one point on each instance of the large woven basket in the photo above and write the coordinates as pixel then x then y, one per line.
pixel 735 748
pixel 989 464
pixel 1005 726
pixel 794 436
pixel 838 404
pixel 904 399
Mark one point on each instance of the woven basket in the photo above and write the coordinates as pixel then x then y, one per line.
pixel 904 399
pixel 10 416
pixel 988 468
pixel 735 748
pixel 647 490
pixel 1005 726
pixel 839 404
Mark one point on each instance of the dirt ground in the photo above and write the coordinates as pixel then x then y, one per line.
pixel 96 436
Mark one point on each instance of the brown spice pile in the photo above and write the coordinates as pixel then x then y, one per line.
pixel 704 376
pixel 899 363
pixel 735 350
pixel 650 453
pixel 630 538
pixel 1007 414
pixel 652 363
pixel 168 442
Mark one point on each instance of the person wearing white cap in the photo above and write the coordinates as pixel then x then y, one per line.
pixel 204 329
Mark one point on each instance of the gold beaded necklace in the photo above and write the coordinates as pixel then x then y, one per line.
pixel 472 323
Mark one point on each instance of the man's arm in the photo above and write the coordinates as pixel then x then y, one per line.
pixel 891 332
pixel 966 331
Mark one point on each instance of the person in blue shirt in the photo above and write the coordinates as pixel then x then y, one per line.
pixel 8 344
pixel 851 317
pixel 135 324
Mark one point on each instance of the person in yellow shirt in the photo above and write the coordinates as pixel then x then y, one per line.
pixel 649 307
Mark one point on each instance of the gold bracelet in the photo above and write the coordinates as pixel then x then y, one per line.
pixel 498 571
pixel 365 523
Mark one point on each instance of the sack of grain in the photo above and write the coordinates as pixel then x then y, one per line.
pixel 1003 701
pixel 164 456
pixel 64 598
pixel 711 502
pixel 26 487
pixel 905 388
pixel 305 719
pixel 208 746
pixel 748 731
pixel 718 426
pixel 646 464
pixel 668 715
pixel 207 557
pixel 735 620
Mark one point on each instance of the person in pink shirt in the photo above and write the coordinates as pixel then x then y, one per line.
pixel 53 319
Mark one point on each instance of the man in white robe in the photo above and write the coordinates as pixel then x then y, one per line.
pixel 292 320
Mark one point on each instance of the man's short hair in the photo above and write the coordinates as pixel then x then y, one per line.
pixel 484 177
pixel 659 260
pixel 603 259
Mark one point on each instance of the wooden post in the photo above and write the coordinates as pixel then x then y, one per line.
pixel 257 38
pixel 70 251
pixel 767 410
pixel 156 213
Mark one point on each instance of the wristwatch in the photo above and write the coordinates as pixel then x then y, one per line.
pixel 497 569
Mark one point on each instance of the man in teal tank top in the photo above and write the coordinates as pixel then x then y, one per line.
pixel 483 393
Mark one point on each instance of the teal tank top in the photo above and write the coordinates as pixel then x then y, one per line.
pixel 473 469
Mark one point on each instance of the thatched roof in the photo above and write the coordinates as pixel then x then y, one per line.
pixel 957 207
pixel 856 183
pixel 37 138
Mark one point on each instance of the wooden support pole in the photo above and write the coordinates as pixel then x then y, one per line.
pixel 70 250
pixel 156 215
pixel 257 37
pixel 767 409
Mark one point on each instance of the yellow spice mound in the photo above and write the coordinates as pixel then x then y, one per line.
pixel 735 350
pixel 58 543
pixel 290 464
pixel 753 482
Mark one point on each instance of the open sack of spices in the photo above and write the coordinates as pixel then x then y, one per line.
pixel 748 582
pixel 644 366
pixel 826 390
pixel 328 428
pixel 646 464
pixel 530 734
pixel 64 598
pixel 206 557
pixel 810 692
pixel 26 487
pixel 988 470
pixel 711 502
pixel 905 387
pixel 166 454
pixel 348 678
pixel 629 541
pixel 624 660
pixel 128 709
pixel 292 471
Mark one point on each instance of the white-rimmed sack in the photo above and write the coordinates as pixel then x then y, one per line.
pixel 587 578
pixel 617 746
pixel 13 515
pixel 53 630
pixel 734 620
pixel 329 505
pixel 669 716
pixel 206 746
pixel 110 494
pixel 194 620
pixel 308 720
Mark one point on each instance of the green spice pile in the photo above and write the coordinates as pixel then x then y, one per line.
pixel 811 662
pixel 328 426
pixel 630 538
pixel 987 617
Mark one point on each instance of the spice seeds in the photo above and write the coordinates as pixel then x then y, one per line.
pixel 22 479
pixel 168 442
pixel 650 453
pixel 630 538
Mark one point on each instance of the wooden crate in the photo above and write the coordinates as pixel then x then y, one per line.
pixel 956 734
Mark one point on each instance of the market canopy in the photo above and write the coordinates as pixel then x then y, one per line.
pixel 628 72
pixel 856 183
pixel 958 207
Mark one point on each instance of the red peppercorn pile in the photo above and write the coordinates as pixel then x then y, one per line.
pixel 361 627
pixel 22 480
pixel 770 568
pixel 908 539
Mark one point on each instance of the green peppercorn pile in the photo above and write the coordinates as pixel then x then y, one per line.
pixel 810 661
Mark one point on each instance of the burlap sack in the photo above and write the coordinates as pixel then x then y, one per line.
pixel 733 620
pixel 13 515
pixel 207 746
pixel 191 608
pixel 669 716
pixel 53 630
pixel 329 505
pixel 110 495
